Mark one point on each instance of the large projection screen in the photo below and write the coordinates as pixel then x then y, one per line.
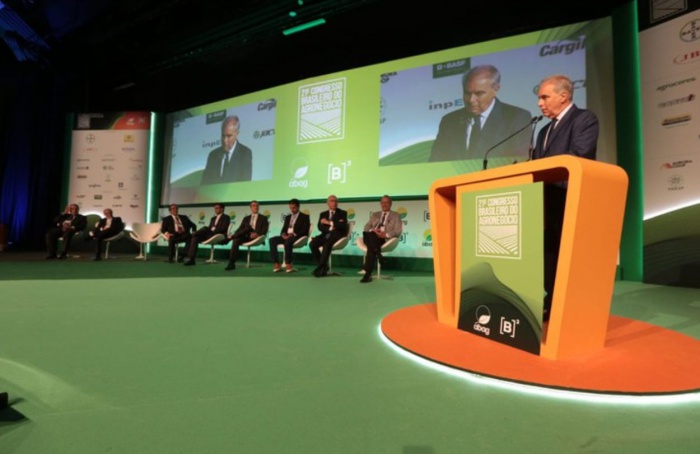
pixel 369 131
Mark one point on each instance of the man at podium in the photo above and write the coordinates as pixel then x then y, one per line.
pixel 573 131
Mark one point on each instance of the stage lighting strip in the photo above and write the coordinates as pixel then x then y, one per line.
pixel 616 399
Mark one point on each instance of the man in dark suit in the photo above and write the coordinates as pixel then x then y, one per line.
pixel 253 226
pixel 296 224
pixel 64 226
pixel 381 226
pixel 176 228
pixel 571 131
pixel 333 225
pixel 107 227
pixel 483 122
pixel 217 225
pixel 232 161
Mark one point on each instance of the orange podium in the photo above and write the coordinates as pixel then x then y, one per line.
pixel 592 226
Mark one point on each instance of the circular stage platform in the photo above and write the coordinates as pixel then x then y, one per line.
pixel 638 358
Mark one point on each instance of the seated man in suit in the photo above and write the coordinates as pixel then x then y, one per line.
pixel 106 228
pixel 296 224
pixel 64 226
pixel 217 225
pixel 333 225
pixel 176 228
pixel 232 161
pixel 253 226
pixel 382 225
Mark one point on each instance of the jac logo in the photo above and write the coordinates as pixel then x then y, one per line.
pixel 265 133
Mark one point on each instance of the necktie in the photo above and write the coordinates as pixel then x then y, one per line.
pixel 330 215
pixel 178 224
pixel 252 221
pixel 475 133
pixel 383 220
pixel 224 162
pixel 552 125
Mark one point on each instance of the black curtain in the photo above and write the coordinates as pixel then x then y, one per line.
pixel 34 105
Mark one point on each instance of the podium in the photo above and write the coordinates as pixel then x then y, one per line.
pixel 585 274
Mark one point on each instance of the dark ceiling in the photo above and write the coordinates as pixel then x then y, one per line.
pixel 166 55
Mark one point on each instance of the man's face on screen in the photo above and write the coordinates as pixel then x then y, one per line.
pixel 550 102
pixel 229 135
pixel 479 92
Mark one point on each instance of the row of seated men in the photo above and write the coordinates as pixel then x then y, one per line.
pixel 70 222
pixel 332 226
pixel 177 228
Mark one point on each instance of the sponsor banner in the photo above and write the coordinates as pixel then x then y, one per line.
pixel 415 241
pixel 500 264
pixel 109 166
pixel 670 69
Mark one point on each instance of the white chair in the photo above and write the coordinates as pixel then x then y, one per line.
pixel 252 243
pixel 213 241
pixel 109 240
pixel 388 246
pixel 299 243
pixel 338 245
pixel 144 233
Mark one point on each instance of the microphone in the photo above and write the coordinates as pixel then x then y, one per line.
pixel 533 121
pixel 532 138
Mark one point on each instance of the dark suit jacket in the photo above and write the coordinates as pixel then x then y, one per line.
pixel 222 226
pixel 576 134
pixel 504 120
pixel 261 226
pixel 240 168
pixel 78 223
pixel 340 222
pixel 301 226
pixel 116 226
pixel 168 224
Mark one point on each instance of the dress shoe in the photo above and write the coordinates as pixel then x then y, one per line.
pixel 366 278
pixel 288 268
pixel 62 256
pixel 321 271
pixel 50 257
pixel 97 258
pixel 230 266
pixel 189 262
pixel 276 268
pixel 180 259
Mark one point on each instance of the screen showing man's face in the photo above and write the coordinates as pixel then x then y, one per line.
pixel 229 135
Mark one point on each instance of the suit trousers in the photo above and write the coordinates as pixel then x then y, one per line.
pixel 52 236
pixel 199 236
pixel 100 236
pixel 175 239
pixel 288 248
pixel 326 240
pixel 374 248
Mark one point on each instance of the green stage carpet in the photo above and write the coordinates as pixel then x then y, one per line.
pixel 123 356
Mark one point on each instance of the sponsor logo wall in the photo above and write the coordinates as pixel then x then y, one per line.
pixel 108 164
pixel 670 67
pixel 416 240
